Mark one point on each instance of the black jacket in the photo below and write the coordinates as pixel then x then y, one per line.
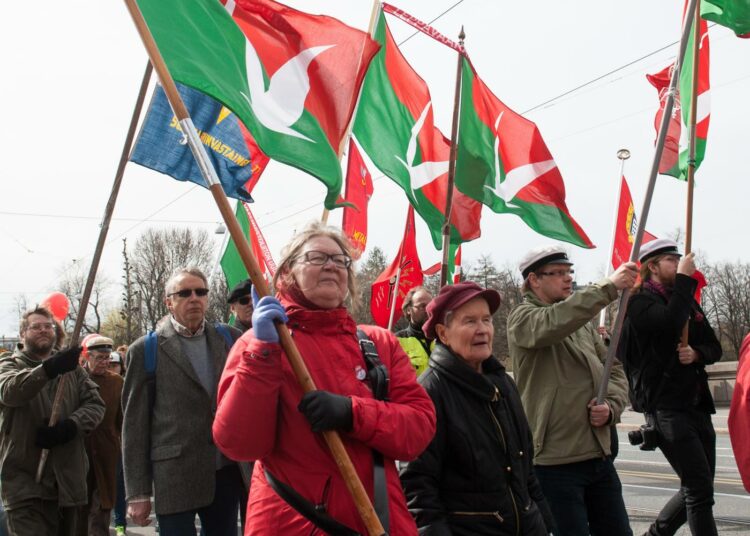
pixel 648 350
pixel 476 477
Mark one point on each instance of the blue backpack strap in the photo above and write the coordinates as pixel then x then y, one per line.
pixel 223 329
pixel 149 364
pixel 150 359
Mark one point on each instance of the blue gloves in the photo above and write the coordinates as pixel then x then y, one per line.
pixel 265 312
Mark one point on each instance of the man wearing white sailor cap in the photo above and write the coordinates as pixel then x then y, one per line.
pixel 668 381
pixel 558 361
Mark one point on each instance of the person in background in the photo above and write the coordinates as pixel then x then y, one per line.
pixel 103 443
pixel 413 340
pixel 668 380
pixel 123 351
pixel 119 517
pixel 168 412
pixel 241 305
pixel 558 363
pixel 28 383
pixel 264 415
pixel 476 476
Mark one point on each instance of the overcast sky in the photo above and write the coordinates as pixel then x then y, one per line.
pixel 71 72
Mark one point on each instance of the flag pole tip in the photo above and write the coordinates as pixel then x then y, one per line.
pixel 623 154
pixel 462 34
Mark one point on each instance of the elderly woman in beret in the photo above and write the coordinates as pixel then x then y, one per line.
pixel 476 476
pixel 262 414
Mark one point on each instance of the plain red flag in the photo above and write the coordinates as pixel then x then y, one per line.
pixel 626 227
pixel 739 414
pixel 261 251
pixel 383 290
pixel 358 193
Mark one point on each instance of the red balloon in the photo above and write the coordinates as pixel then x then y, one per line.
pixel 57 303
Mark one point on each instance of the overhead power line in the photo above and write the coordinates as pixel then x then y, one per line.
pixel 140 221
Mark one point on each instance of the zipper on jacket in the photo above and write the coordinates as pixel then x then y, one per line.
pixel 501 436
pixel 496 515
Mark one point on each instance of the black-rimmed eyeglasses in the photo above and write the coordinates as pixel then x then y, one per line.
pixel 319 258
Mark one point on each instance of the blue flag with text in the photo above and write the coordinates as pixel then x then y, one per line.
pixel 160 145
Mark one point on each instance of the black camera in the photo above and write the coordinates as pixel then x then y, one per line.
pixel 645 436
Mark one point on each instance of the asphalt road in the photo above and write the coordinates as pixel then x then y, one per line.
pixel 648 482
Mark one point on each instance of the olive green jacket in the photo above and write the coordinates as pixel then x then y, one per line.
pixel 558 362
pixel 26 395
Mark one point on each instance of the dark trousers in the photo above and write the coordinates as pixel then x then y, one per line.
pixel 688 441
pixel 218 518
pixel 41 518
pixel 585 498
pixel 120 509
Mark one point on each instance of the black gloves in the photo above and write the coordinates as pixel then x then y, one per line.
pixel 63 361
pixel 327 411
pixel 51 436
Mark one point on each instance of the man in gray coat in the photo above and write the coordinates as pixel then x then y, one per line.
pixel 28 383
pixel 168 413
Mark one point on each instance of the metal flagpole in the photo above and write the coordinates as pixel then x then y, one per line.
pixel 398 270
pixel 104 229
pixel 452 164
pixel 332 438
pixel 395 294
pixel 622 154
pixel 643 216
pixel 691 151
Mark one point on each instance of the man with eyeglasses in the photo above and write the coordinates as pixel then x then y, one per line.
pixel 28 382
pixel 558 363
pixel 169 410
pixel 103 443
pixel 240 302
pixel 413 340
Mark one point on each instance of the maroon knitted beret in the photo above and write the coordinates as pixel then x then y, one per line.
pixel 452 297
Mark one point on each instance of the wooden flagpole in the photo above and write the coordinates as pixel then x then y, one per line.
pixel 659 149
pixel 622 155
pixel 452 164
pixel 338 451
pixel 104 229
pixel 691 150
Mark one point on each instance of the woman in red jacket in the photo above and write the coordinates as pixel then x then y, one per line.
pixel 263 415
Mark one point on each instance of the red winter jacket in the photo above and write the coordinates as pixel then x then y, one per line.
pixel 739 414
pixel 257 419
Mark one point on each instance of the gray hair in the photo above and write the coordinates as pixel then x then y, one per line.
pixel 283 278
pixel 179 272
